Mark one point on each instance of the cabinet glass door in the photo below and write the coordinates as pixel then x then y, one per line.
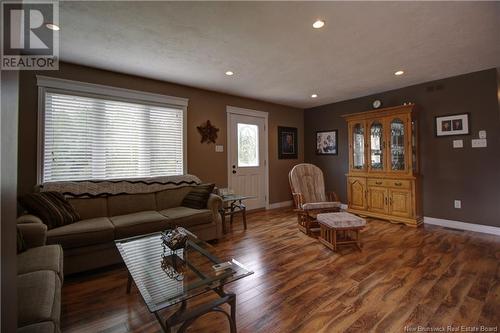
pixel 397 139
pixel 414 146
pixel 358 145
pixel 376 146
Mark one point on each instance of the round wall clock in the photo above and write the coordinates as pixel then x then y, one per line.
pixel 376 104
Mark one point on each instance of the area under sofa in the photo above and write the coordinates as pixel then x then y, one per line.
pixel 105 217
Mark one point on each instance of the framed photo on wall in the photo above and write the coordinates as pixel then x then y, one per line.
pixel 326 142
pixel 287 143
pixel 455 124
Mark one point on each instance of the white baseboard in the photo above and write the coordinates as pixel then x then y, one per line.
pixel 486 229
pixel 282 204
pixel 290 203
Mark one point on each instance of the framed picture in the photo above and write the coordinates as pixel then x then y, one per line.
pixel 326 142
pixel 287 143
pixel 455 124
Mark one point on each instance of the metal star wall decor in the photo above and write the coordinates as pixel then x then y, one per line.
pixel 208 132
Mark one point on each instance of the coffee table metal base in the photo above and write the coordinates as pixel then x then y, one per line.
pixel 185 317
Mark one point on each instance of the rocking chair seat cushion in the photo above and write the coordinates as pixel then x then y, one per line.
pixel 321 205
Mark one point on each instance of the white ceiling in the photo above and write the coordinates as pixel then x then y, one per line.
pixel 275 53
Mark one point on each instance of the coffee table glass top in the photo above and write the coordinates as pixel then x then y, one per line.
pixel 166 277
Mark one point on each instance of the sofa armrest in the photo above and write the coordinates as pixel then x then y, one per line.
pixel 33 230
pixel 215 205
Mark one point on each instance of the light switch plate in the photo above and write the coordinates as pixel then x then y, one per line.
pixel 458 143
pixel 479 143
pixel 458 204
pixel 219 148
pixel 482 134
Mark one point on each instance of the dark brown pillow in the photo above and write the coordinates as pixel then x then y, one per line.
pixel 197 198
pixel 51 207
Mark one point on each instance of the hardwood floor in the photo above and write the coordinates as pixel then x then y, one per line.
pixel 404 276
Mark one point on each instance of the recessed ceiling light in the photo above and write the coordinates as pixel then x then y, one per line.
pixel 314 95
pixel 52 26
pixel 229 73
pixel 318 24
pixel 398 73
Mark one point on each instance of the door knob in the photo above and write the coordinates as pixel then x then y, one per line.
pixel 234 171
pixel 234 166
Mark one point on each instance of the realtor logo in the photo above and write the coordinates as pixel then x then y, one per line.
pixel 29 38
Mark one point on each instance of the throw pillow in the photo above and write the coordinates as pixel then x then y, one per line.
pixel 197 198
pixel 51 207
pixel 21 244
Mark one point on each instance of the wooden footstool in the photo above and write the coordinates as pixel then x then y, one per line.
pixel 340 229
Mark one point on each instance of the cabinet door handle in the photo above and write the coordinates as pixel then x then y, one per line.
pixel 386 200
pixel 398 184
pixel 378 183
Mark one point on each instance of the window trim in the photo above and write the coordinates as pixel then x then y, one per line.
pixel 49 84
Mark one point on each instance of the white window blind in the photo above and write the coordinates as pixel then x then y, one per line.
pixel 88 138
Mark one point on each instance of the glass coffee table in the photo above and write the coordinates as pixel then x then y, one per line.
pixel 165 278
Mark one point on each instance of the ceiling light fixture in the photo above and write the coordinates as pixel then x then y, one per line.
pixel 314 95
pixel 398 73
pixel 229 73
pixel 318 24
pixel 53 26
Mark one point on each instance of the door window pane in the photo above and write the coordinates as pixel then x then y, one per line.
pixel 248 145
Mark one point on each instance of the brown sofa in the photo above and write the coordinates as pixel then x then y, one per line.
pixel 39 282
pixel 89 243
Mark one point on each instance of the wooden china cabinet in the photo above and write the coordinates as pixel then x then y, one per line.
pixel 383 179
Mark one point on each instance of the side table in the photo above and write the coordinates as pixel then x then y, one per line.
pixel 232 204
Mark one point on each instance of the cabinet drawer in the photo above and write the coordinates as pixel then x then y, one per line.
pixel 399 183
pixel 377 182
pixel 406 184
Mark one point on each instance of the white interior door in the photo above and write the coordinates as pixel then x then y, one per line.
pixel 248 158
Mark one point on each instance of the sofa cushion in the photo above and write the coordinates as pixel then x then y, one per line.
pixel 88 208
pixel 49 257
pixel 52 208
pixel 171 198
pixel 44 327
pixel 38 297
pixel 130 203
pixel 82 233
pixel 197 198
pixel 139 223
pixel 187 217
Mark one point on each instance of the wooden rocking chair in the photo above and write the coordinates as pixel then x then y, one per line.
pixel 309 196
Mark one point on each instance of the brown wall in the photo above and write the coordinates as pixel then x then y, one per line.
pixel 471 175
pixel 204 105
